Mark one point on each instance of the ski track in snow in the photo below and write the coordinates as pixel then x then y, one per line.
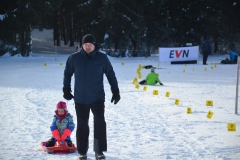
pixel 157 134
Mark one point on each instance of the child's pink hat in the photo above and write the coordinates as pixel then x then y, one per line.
pixel 61 105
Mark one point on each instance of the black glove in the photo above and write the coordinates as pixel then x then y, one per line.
pixel 160 83
pixel 67 94
pixel 116 96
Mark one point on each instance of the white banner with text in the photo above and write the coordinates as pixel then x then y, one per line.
pixel 178 54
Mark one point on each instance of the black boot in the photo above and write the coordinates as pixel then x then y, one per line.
pixel 51 142
pixel 82 156
pixel 69 143
pixel 100 156
pixel 143 82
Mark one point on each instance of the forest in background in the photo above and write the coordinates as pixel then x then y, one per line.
pixel 121 24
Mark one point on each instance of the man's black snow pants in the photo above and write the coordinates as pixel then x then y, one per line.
pixel 82 134
pixel 205 57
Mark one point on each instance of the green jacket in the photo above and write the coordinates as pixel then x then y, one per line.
pixel 152 78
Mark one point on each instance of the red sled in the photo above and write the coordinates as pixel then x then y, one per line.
pixel 60 147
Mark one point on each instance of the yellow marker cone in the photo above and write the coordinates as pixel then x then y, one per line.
pixel 209 103
pixel 45 64
pixel 205 69
pixel 193 69
pixel 215 65
pixel 232 127
pixel 184 71
pixel 122 63
pixel 155 92
pixel 167 94
pixel 210 114
pixel 177 101
pixel 189 110
pixel 137 86
pixel 211 67
pixel 61 64
pixel 185 64
pixel 145 88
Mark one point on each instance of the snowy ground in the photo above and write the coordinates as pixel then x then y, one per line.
pixel 140 126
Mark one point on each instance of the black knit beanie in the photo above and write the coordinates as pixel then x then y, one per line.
pixel 88 38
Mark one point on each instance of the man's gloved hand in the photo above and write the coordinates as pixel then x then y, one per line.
pixel 161 84
pixel 67 93
pixel 116 96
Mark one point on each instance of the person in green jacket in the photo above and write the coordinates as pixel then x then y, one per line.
pixel 151 79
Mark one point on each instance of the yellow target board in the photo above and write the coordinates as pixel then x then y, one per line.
pixel 232 127
pixel 210 114
pixel 137 86
pixel 189 110
pixel 138 71
pixel 177 101
pixel 155 92
pixel 167 94
pixel 145 88
pixel 209 103
pixel 140 76
pixel 135 79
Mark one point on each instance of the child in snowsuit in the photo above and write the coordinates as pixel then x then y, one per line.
pixel 151 79
pixel 62 125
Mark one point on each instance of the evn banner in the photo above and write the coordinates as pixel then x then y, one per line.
pixel 178 54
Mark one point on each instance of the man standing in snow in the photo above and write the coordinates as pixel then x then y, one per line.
pixel 206 50
pixel 89 66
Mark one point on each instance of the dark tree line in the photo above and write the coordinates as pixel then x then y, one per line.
pixel 120 24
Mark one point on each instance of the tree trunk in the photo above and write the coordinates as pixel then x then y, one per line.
pixel 56 29
pixel 71 29
pixel 63 28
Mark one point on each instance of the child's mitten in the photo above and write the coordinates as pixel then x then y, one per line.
pixel 66 133
pixel 56 134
